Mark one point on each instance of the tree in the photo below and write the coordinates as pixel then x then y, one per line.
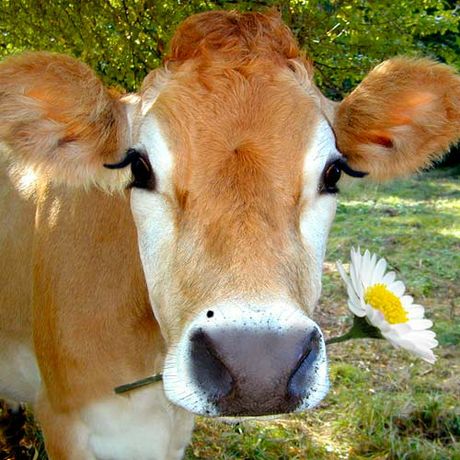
pixel 123 40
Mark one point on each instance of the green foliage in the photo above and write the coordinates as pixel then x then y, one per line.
pixel 347 38
pixel 122 40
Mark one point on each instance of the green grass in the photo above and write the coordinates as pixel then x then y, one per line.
pixel 383 403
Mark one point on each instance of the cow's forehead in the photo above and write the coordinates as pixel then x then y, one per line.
pixel 232 129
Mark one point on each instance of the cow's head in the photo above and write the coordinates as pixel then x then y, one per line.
pixel 235 157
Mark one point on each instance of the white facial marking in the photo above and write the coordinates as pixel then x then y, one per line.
pixel 155 229
pixel 143 425
pixel 270 316
pixel 131 103
pixel 160 157
pixel 152 209
pixel 319 209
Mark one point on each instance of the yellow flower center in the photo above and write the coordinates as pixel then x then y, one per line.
pixel 382 299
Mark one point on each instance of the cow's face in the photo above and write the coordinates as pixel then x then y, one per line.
pixel 232 227
pixel 235 157
pixel 235 171
pixel 235 168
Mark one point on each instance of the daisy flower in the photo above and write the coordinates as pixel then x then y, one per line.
pixel 379 298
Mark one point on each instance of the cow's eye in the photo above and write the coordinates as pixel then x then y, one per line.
pixel 332 173
pixel 331 176
pixel 141 170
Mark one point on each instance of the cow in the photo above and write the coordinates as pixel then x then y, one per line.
pixel 182 229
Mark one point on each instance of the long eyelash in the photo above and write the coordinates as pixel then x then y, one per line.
pixel 130 155
pixel 342 162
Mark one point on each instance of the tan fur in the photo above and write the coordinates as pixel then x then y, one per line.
pixel 238 107
pixel 17 215
pixel 405 114
pixel 85 250
pixel 57 116
pixel 92 323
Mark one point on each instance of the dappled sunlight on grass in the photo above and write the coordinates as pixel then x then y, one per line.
pixel 451 232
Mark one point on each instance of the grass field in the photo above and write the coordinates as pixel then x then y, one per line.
pixel 383 403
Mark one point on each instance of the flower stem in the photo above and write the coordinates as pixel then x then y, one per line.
pixel 340 338
pixel 138 384
pixel 361 329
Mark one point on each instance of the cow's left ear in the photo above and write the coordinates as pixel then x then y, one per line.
pixel 404 114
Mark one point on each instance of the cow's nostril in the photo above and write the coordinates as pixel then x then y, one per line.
pixel 207 367
pixel 304 374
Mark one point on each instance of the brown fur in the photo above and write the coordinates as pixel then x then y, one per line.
pixel 232 36
pixel 107 326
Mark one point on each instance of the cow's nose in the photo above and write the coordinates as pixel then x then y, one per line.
pixel 254 372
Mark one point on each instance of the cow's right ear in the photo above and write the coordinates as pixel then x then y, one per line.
pixel 404 115
pixel 57 117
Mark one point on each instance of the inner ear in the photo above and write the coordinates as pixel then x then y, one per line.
pixel 382 138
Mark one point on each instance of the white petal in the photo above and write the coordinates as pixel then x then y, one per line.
pixel 427 343
pixel 428 356
pixel 343 273
pixel 422 342
pixel 407 301
pixel 367 258
pixel 401 329
pixel 355 254
pixel 354 257
pixel 365 276
pixel 375 317
pixel 355 267
pixel 424 353
pixel 350 288
pixel 356 308
pixel 415 312
pixel 355 299
pixel 389 278
pixel 424 338
pixel 356 281
pixel 417 342
pixel 421 324
pixel 379 271
pixel 394 340
pixel 397 288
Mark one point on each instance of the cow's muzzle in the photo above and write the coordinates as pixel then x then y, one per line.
pixel 248 362
pixel 257 372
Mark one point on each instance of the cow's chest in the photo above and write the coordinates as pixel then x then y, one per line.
pixel 141 426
